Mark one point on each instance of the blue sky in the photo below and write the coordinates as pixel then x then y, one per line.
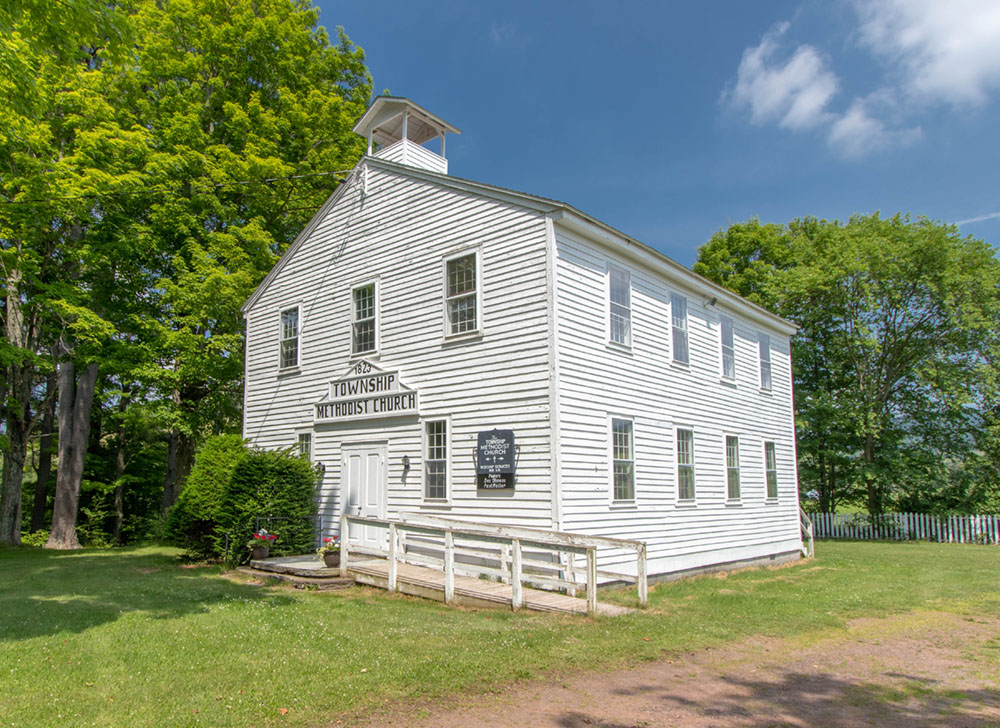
pixel 669 120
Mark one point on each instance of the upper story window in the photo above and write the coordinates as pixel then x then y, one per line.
pixel 764 342
pixel 289 356
pixel 685 465
pixel 461 297
pixel 364 321
pixel 733 467
pixel 620 292
pixel 679 327
pixel 728 348
pixel 436 460
pixel 771 470
pixel 623 460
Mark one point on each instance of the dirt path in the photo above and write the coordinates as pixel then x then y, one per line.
pixel 920 670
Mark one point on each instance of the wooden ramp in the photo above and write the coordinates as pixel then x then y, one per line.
pixel 429 583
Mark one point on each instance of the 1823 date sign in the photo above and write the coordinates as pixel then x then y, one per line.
pixel 495 459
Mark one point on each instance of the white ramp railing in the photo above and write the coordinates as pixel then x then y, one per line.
pixel 512 554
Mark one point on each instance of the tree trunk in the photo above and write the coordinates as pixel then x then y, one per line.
pixel 10 494
pixel 44 458
pixel 873 492
pixel 75 401
pixel 120 466
pixel 180 458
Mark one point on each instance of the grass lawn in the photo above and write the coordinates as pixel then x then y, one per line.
pixel 131 638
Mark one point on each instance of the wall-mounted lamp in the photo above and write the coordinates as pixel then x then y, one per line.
pixel 406 463
pixel 711 301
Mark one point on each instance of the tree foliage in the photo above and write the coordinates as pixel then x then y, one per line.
pixel 894 362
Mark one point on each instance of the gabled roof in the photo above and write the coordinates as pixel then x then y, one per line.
pixel 562 214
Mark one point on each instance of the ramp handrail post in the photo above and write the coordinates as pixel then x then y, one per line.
pixel 591 581
pixel 392 557
pixel 642 582
pixel 516 596
pixel 449 566
pixel 343 546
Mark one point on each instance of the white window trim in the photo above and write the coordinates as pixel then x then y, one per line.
pixel 687 330
pixel 423 461
pixel 281 333
pixel 694 466
pixel 378 323
pixel 611 462
pixel 472 333
pixel 761 336
pixel 739 467
pixel 722 354
pixel 770 498
pixel 607 310
pixel 312 443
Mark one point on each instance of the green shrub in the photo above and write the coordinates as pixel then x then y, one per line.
pixel 277 489
pixel 193 521
pixel 38 538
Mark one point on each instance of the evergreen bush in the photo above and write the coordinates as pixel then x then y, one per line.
pixel 193 521
pixel 274 490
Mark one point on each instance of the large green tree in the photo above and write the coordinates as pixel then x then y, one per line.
pixel 894 362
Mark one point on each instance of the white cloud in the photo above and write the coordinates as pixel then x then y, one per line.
pixel 857 132
pixel 503 33
pixel 979 218
pixel 942 50
pixel 794 92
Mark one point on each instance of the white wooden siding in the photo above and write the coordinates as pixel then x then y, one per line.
pixel 406 152
pixel 399 231
pixel 597 380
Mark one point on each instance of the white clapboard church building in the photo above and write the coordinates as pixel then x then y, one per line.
pixel 450 348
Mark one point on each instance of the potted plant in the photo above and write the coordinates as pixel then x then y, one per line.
pixel 330 551
pixel 260 544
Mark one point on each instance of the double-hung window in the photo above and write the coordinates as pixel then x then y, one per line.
pixel 305 445
pixel 289 356
pixel 733 467
pixel 764 342
pixel 728 348
pixel 685 465
pixel 364 319
pixel 623 458
pixel 620 292
pixel 679 327
pixel 770 470
pixel 461 294
pixel 436 460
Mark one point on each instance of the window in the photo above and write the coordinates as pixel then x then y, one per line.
pixel 733 466
pixel 623 460
pixel 728 349
pixel 685 465
pixel 436 460
pixel 461 295
pixel 363 321
pixel 679 327
pixel 765 360
pixel 305 445
pixel 770 470
pixel 289 338
pixel 621 306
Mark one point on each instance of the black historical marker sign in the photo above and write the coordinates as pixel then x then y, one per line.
pixel 495 452
pixel 495 459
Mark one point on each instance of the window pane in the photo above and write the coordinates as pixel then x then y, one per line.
pixel 621 303
pixel 678 315
pixel 623 461
pixel 363 337
pixel 290 324
pixel 289 353
pixel 771 470
pixel 461 275
pixel 685 464
pixel 733 467
pixel 728 349
pixel 305 445
pixel 765 360
pixel 436 460
pixel 462 314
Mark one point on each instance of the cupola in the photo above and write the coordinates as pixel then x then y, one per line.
pixel 397 129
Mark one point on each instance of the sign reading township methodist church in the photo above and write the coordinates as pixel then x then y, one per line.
pixel 366 392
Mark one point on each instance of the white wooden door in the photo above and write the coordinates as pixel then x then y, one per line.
pixel 366 480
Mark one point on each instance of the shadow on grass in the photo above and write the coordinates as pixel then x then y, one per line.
pixel 816 699
pixel 50 592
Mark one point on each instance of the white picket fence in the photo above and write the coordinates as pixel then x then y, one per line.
pixel 981 529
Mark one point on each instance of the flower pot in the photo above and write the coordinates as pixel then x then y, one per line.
pixel 259 552
pixel 331 559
